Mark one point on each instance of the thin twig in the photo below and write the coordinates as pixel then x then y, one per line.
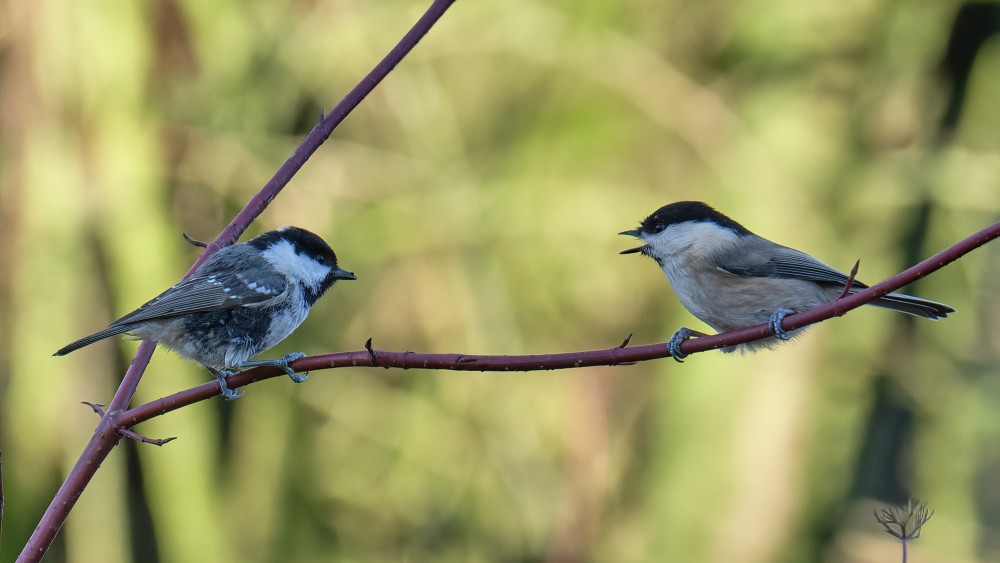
pixel 106 435
pixel 99 409
pixel 140 438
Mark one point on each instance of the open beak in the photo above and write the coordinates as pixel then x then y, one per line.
pixel 633 233
pixel 339 274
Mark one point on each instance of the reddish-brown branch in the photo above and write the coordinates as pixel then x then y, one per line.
pixel 369 357
pixel 108 429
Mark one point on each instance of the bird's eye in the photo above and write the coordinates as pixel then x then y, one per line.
pixel 658 227
pixel 321 259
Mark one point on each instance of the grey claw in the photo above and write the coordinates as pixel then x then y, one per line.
pixel 674 344
pixel 297 378
pixel 282 363
pixel 774 323
pixel 289 358
pixel 227 393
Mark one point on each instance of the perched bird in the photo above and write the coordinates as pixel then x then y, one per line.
pixel 241 301
pixel 731 278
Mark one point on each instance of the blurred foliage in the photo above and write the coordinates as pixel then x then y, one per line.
pixel 477 194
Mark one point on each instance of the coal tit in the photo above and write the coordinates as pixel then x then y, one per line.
pixel 731 278
pixel 241 301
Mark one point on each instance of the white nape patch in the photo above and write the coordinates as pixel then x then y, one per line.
pixel 300 267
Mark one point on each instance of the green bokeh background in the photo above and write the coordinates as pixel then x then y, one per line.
pixel 477 194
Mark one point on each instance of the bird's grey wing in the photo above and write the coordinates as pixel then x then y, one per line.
pixel 208 291
pixel 776 261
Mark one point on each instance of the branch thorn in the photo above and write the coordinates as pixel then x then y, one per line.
pixel 626 341
pixel 98 408
pixel 850 280
pixel 194 242
pixel 371 352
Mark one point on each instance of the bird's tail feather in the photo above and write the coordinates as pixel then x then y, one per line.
pixel 913 306
pixel 110 331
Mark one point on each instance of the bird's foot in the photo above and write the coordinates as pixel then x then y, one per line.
pixel 221 375
pixel 674 344
pixel 283 363
pixel 774 323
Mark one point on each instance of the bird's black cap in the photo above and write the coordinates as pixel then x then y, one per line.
pixel 688 211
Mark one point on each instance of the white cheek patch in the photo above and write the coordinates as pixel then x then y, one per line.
pixel 700 237
pixel 283 257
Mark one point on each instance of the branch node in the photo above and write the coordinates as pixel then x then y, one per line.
pixel 466 360
pixel 99 409
pixel 372 355
pixel 194 242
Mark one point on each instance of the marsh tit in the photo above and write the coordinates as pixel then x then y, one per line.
pixel 731 278
pixel 241 301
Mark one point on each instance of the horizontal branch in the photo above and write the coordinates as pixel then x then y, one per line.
pixel 606 357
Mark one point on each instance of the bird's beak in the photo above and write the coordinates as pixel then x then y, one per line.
pixel 633 233
pixel 339 274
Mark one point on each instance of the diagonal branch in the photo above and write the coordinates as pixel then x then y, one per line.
pixel 607 357
pixel 108 430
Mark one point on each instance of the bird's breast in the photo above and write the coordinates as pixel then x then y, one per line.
pixel 726 302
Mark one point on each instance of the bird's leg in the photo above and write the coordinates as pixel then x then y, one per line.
pixel 221 375
pixel 282 363
pixel 674 344
pixel 774 323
